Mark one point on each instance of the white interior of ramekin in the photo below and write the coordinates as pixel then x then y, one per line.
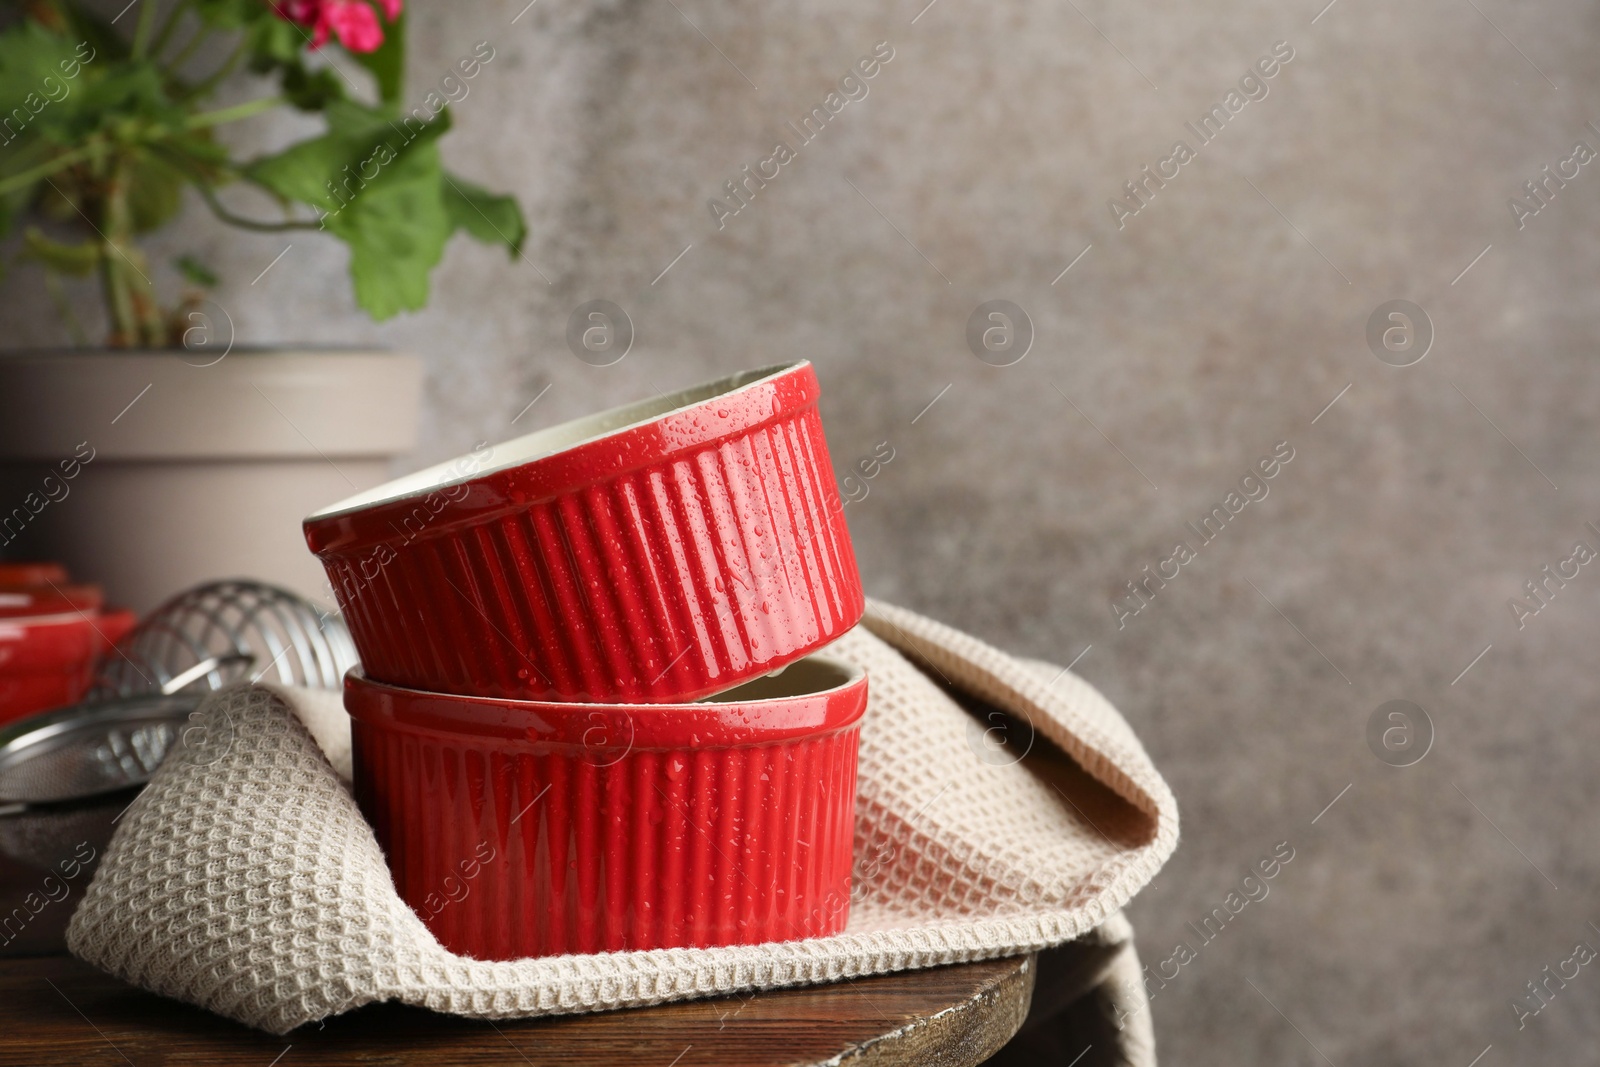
pixel 811 676
pixel 548 441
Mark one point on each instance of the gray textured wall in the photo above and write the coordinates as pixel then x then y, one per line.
pixel 1220 320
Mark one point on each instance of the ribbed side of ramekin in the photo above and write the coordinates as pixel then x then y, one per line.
pixel 511 855
pixel 665 583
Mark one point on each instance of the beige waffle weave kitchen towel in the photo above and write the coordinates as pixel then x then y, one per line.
pixel 245 880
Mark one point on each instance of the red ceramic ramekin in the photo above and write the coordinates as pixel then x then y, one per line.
pixel 520 828
pixel 49 640
pixel 21 573
pixel 656 552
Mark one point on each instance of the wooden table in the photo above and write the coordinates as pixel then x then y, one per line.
pixel 56 1010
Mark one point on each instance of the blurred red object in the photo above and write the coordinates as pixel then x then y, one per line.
pixel 51 634
pixel 32 574
pixel 114 624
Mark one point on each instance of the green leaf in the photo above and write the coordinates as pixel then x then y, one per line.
pixel 30 54
pixel 114 100
pixel 76 260
pixel 93 28
pixel 274 43
pixel 234 14
pixel 196 271
pixel 377 186
pixel 277 46
pixel 155 192
pixel 489 217
pixel 396 236
pixel 361 150
pixel 310 90
pixel 66 90
pixel 387 62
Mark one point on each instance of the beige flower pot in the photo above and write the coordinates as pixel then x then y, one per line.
pixel 151 472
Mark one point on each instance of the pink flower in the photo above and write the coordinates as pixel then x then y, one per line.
pixel 300 12
pixel 354 22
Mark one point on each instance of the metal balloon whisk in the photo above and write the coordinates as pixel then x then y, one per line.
pixel 225 632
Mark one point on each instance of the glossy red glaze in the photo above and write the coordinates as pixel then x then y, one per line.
pixel 517 828
pixel 114 624
pixel 50 638
pixel 45 663
pixel 672 556
pixel 38 601
pixel 32 573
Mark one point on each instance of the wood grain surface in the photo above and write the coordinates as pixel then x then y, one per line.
pixel 55 1010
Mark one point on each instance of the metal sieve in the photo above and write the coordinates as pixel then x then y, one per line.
pixel 88 749
pixel 148 688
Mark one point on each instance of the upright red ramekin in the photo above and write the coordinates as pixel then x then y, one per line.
pixel 520 828
pixel 656 552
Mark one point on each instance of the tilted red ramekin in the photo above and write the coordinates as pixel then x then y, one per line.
pixel 520 828
pixel 660 551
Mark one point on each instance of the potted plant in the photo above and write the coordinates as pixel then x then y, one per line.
pixel 184 455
